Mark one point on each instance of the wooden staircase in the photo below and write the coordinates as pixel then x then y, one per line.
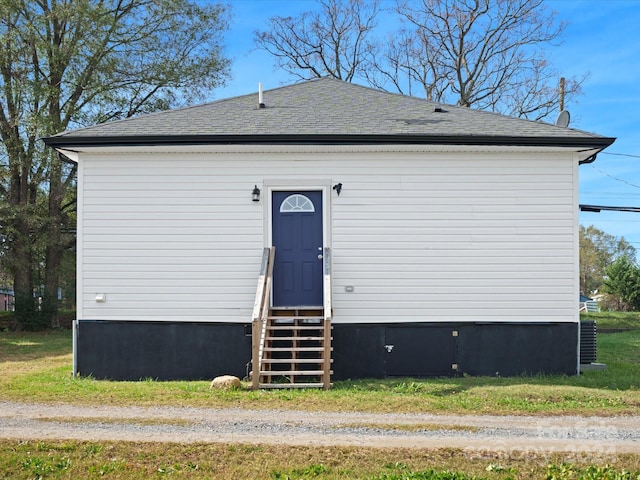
pixel 291 346
pixel 294 353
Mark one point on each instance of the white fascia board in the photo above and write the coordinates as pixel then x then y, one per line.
pixel 70 154
pixel 204 149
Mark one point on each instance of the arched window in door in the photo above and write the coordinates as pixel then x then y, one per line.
pixel 297 203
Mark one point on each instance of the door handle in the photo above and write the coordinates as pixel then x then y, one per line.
pixel 320 257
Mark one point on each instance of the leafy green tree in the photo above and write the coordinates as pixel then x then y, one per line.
pixel 622 281
pixel 69 63
pixel 598 250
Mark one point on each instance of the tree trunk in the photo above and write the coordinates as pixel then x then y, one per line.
pixel 26 310
pixel 55 248
pixel 20 257
pixel 52 279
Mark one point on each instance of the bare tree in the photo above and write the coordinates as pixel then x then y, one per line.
pixel 406 62
pixel 483 53
pixel 329 42
pixel 486 54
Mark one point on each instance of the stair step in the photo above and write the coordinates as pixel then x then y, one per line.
pixel 293 373
pixel 307 332
pixel 313 318
pixel 308 338
pixel 293 385
pixel 301 308
pixel 295 349
pixel 297 320
pixel 290 332
pixel 294 360
pixel 292 326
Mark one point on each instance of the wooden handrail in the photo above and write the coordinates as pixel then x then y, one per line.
pixel 257 304
pixel 327 283
pixel 328 314
pixel 266 300
pixel 260 312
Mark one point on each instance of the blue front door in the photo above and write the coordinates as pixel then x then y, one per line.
pixel 297 236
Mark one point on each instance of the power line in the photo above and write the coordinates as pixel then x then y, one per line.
pixel 620 154
pixel 616 178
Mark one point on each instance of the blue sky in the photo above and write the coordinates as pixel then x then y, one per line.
pixel 602 40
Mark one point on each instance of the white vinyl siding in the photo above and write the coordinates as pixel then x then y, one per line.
pixel 431 236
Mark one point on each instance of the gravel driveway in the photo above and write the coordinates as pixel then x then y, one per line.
pixel 594 436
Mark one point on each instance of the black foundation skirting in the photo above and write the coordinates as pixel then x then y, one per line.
pixel 122 350
pixel 449 349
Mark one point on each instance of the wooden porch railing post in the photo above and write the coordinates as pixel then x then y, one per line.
pixel 328 313
pixel 266 305
pixel 257 319
pixel 256 330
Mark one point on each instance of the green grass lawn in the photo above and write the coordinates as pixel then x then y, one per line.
pixel 614 320
pixel 143 461
pixel 36 367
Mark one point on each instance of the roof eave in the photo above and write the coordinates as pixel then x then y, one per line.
pixel 62 141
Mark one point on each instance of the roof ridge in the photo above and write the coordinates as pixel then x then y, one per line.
pixel 445 105
pixel 183 108
pixel 322 108
pixel 149 114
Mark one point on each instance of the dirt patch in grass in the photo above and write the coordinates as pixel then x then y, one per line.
pixel 412 427
pixel 177 422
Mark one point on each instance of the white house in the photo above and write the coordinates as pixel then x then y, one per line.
pixel 420 231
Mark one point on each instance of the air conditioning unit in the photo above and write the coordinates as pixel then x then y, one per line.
pixel 587 341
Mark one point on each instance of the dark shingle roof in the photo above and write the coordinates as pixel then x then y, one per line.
pixel 326 111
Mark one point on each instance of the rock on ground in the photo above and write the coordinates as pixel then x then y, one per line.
pixel 225 382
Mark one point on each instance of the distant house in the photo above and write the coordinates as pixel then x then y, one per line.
pixel 588 304
pixel 7 300
pixel 416 230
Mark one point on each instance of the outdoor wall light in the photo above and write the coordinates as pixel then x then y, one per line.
pixel 255 194
pixel 338 188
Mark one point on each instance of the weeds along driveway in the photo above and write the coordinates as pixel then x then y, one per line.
pixel 593 436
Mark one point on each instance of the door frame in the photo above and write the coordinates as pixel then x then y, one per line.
pixel 323 186
pixel 271 186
